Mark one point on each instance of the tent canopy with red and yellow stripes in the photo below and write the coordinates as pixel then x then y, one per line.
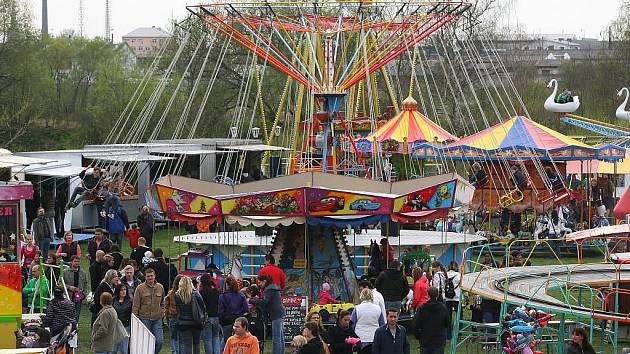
pixel 411 126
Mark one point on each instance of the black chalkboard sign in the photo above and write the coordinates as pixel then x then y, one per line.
pixel 295 307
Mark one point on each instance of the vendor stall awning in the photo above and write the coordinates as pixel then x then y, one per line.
pixel 171 151
pixel 255 147
pixel 15 160
pixel 56 169
pixel 126 157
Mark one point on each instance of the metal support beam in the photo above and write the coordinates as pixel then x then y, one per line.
pixel 596 128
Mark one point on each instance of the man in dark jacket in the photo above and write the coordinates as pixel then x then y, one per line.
pixel 97 270
pixel 430 324
pixel 393 284
pixel 145 224
pixel 138 253
pixel 271 305
pixel 338 334
pixel 391 338
pixel 42 231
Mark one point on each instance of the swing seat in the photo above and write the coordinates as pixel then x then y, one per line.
pixel 554 196
pixel 127 189
pixel 511 198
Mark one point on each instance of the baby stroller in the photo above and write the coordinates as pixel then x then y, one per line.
pixel 61 344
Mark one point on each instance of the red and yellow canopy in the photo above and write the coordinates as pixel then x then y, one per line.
pixel 411 126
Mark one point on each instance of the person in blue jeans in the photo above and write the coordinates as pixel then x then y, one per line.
pixel 211 335
pixel 271 306
pixel 148 305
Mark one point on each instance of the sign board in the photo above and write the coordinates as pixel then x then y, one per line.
pixel 295 307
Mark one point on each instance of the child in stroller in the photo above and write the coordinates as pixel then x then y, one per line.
pixel 34 335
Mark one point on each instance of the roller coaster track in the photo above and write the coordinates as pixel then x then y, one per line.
pixel 528 286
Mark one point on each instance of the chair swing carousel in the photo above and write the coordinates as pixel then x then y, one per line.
pixel 519 165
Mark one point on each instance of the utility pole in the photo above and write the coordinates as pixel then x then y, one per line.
pixel 44 17
pixel 108 26
pixel 81 18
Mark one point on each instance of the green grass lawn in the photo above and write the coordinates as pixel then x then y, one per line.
pixel 163 239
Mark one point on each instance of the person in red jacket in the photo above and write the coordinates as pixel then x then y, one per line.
pixel 325 297
pixel 420 289
pixel 133 234
pixel 277 275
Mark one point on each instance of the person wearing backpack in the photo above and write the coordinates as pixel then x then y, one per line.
pixel 452 292
pixel 439 279
pixel 191 317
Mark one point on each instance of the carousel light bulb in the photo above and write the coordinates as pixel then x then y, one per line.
pixel 278 130
pixel 255 132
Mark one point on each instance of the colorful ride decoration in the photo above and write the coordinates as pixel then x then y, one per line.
pixel 309 216
pixel 282 202
pixel 520 329
pixel 184 205
pixel 10 272
pixel 520 138
pixel 278 35
pixel 408 128
pixel 314 202
pixel 525 143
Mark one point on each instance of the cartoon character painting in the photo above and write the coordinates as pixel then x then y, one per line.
pixel 331 204
pixel 443 194
pixel 277 203
pixel 364 204
pixel 178 202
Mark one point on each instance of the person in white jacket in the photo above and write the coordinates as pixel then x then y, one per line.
pixel 367 318
pixel 377 297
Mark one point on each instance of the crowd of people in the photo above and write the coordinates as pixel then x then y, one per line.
pixel 218 314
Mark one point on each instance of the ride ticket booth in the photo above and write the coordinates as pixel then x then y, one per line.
pixel 12 197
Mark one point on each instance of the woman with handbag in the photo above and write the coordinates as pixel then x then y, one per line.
pixel 105 333
pixel 211 335
pixel 189 324
pixel 170 310
pixel 122 305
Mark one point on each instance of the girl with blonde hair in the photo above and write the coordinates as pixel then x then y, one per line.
pixel 189 329
pixel 367 318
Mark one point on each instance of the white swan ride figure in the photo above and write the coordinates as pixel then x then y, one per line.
pixel 621 112
pixel 552 106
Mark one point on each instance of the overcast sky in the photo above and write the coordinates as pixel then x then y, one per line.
pixel 585 18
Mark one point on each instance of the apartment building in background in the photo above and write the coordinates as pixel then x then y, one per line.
pixel 146 41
